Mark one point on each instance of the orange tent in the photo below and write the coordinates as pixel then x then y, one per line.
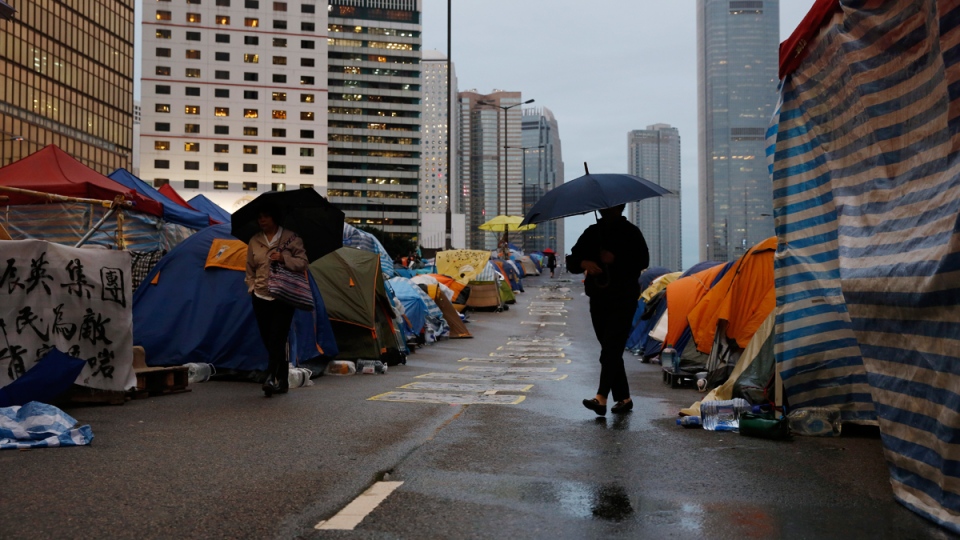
pixel 682 295
pixel 454 285
pixel 743 298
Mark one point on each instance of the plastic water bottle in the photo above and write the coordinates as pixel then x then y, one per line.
pixel 341 367
pixel 818 421
pixel 299 377
pixel 199 372
pixel 669 358
pixel 689 422
pixel 371 366
pixel 723 415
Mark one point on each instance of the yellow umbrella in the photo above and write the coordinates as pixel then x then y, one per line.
pixel 506 223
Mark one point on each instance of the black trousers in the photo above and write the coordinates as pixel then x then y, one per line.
pixel 273 319
pixel 611 319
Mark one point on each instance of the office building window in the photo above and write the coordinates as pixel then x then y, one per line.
pixel 308 44
pixel 221 184
pixel 306 98
pixel 221 75
pixel 193 17
pixel 279 96
pixel 223 20
pixel 279 115
pixel 221 56
pixel 162 107
pixel 304 79
pixel 307 8
pixel 163 52
pixel 251 77
pixel 306 169
pixel 250 186
pixel 251 22
pixel 251 40
pixel 191 91
pixel 193 73
pixel 192 54
pixel 251 113
pixel 161 126
pixel 191 184
pixel 251 94
pixel 161 164
pixel 221 111
pixel 279 42
pixel 221 166
pixel 279 78
pixel 279 6
pixel 162 89
pixel 251 4
pixel 306 186
pixel 191 128
pixel 279 133
pixel 191 165
pixel 279 150
pixel 278 186
pixel 222 38
pixel 307 27
pixel 162 146
pixel 164 34
pixel 250 131
pixel 191 147
pixel 223 3
pixel 193 36
pixel 160 182
pixel 306 133
pixel 163 71
pixel 279 60
pixel 221 92
pixel 221 130
pixel 221 148
pixel 307 62
pixel 191 109
pixel 249 167
pixel 278 169
pixel 163 15
pixel 306 115
pixel 279 25
pixel 306 152
pixel 250 149
pixel 251 58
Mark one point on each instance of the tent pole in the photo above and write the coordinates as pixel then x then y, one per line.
pixel 97 226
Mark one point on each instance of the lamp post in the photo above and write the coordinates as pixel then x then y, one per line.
pixel 16 138
pixel 500 180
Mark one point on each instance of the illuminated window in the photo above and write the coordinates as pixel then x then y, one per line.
pixel 191 128
pixel 251 58
pixel 162 146
pixel 221 111
pixel 163 70
pixel 251 22
pixel 250 149
pixel 193 17
pixel 193 73
pixel 163 16
pixel 162 108
pixel 250 131
pixel 163 34
pixel 279 60
pixel 191 109
pixel 279 115
pixel 191 147
pixel 305 115
pixel 278 186
pixel 250 186
pixel 251 113
pixel 221 184
pixel 304 79
pixel 223 19
pixel 306 152
pixel 221 148
pixel 279 96
pixel 279 42
pixel 278 169
pixel 306 98
pixel 193 54
pixel 306 186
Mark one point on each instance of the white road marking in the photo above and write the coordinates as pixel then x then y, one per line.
pixel 543 323
pixel 352 514
pixel 449 399
pixel 466 387
pixel 529 348
pixel 525 354
pixel 517 360
pixel 487 369
pixel 461 376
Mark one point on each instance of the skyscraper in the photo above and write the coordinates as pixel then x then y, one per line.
pixel 234 98
pixel 490 161
pixel 66 78
pixel 439 93
pixel 375 112
pixel 654 154
pixel 542 165
pixel 737 61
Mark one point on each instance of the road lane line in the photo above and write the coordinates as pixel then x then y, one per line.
pixel 466 387
pixel 517 360
pixel 461 376
pixel 449 399
pixel 352 514
pixel 497 369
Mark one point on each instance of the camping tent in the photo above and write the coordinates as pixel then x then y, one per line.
pixel 351 283
pixel 210 208
pixel 173 212
pixel 865 193
pixel 354 237
pixel 194 307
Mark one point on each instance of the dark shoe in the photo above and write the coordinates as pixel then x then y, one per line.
pixel 270 387
pixel 595 406
pixel 622 407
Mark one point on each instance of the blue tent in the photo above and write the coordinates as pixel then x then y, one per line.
pixel 413 305
pixel 642 328
pixel 210 208
pixel 172 212
pixel 204 315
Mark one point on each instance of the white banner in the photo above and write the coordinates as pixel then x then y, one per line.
pixel 77 300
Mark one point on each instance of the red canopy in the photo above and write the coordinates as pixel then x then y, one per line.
pixel 794 49
pixel 172 194
pixel 52 170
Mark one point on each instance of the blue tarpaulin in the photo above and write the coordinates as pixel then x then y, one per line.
pixel 52 376
pixel 172 212
pixel 210 208
pixel 38 425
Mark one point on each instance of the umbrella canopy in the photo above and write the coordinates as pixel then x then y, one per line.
pixel 549 250
pixel 506 223
pixel 307 213
pixel 592 192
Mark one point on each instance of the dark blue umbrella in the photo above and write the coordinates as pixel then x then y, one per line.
pixel 592 192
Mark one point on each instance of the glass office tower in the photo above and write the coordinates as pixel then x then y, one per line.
pixel 66 78
pixel 654 154
pixel 737 61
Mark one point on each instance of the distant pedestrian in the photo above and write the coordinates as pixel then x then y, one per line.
pixel 273 245
pixel 551 262
pixel 611 253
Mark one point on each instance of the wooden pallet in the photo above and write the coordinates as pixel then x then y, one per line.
pixel 159 381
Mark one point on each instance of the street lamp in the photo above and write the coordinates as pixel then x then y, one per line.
pixel 500 181
pixel 5 139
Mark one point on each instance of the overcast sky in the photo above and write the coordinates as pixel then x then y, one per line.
pixel 604 68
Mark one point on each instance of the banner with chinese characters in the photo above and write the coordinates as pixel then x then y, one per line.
pixel 77 300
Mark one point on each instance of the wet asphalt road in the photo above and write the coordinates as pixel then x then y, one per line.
pixel 222 461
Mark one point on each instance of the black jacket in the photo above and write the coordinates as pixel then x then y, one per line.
pixel 631 257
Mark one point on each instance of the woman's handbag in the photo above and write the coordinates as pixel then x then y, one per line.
pixel 289 286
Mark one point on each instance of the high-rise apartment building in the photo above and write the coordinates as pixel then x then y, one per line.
pixel 542 166
pixel 439 97
pixel 737 61
pixel 654 154
pixel 375 112
pixel 234 97
pixel 490 161
pixel 66 78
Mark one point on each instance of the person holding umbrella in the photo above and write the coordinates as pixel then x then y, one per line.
pixel 611 253
pixel 273 245
pixel 551 260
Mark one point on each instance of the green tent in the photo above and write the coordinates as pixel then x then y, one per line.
pixel 351 284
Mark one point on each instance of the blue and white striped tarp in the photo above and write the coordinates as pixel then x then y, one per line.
pixel 354 237
pixel 38 425
pixel 866 175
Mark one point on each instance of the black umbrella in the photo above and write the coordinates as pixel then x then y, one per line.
pixel 592 192
pixel 315 219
